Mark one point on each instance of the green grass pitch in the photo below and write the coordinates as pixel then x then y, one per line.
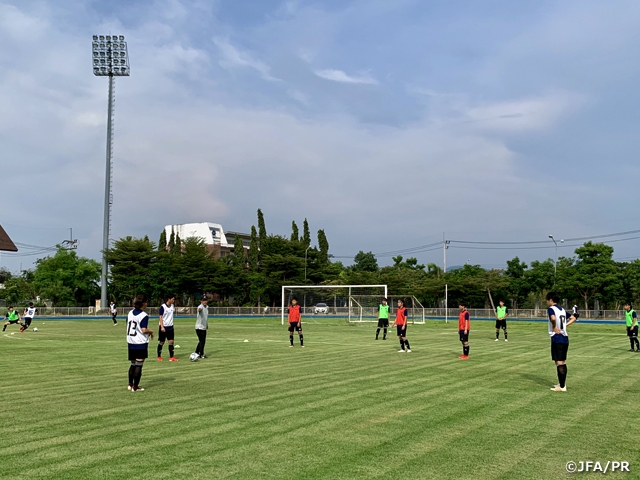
pixel 343 407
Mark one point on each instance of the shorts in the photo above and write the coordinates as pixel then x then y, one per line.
pixel 559 351
pixel 576 315
pixel 402 330
pixel 632 332
pixel 295 326
pixel 501 324
pixel 464 337
pixel 166 335
pixel 136 353
pixel 11 322
pixel 383 322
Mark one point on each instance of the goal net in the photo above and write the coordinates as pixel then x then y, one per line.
pixel 365 308
pixel 337 301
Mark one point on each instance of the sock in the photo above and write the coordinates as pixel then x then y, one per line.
pixel 132 370
pixel 637 343
pixel 401 344
pixel 632 342
pixel 465 349
pixel 377 333
pixel 562 374
pixel 171 350
pixel 4 328
pixel 291 339
pixel 406 342
pixel 159 350
pixel 301 340
pixel 384 334
pixel 137 375
pixel 505 334
pixel 497 334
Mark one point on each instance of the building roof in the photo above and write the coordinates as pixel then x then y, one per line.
pixel 6 244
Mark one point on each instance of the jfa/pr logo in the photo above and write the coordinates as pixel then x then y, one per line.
pixel 610 466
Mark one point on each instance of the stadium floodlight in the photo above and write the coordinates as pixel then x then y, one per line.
pixel 110 59
pixel 555 265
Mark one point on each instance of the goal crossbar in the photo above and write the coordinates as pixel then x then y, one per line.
pixel 323 287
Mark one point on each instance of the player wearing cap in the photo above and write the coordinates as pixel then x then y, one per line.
pixel 28 315
pixel 383 318
pixel 631 319
pixel 464 325
pixel 166 332
pixel 138 335
pixel 401 326
pixel 202 325
pixel 559 339
pixel 295 322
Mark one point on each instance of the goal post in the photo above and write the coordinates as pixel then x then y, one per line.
pixel 335 300
pixel 365 308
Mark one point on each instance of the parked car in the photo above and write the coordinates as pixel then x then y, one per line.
pixel 321 308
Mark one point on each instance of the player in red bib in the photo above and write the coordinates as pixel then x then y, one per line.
pixel 295 322
pixel 463 329
pixel 401 326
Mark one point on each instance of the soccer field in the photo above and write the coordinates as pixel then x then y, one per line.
pixel 345 406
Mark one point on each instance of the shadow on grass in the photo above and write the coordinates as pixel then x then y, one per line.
pixel 157 381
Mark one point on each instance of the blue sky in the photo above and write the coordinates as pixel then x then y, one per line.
pixel 385 123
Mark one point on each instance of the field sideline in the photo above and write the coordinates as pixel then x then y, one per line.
pixel 345 406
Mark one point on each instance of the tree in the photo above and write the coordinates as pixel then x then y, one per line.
pixel 172 241
pixel 518 287
pixel 254 253
pixel 162 243
pixel 295 233
pixel 306 234
pixel 4 275
pixel 177 248
pixel 66 279
pixel 238 252
pixel 595 272
pixel 365 262
pixel 131 272
pixel 262 228
pixel 19 290
pixel 323 246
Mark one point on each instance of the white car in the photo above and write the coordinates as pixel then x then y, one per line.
pixel 321 308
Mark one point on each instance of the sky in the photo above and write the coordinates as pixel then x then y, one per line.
pixel 390 125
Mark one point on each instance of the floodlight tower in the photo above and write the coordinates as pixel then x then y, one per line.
pixel 110 59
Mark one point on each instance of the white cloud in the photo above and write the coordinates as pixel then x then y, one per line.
pixel 234 58
pixel 342 77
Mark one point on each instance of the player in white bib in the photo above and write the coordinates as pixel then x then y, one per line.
pixel 27 316
pixel 558 324
pixel 165 323
pixel 138 335
pixel 202 325
pixel 114 312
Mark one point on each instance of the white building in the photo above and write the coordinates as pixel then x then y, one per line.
pixel 213 234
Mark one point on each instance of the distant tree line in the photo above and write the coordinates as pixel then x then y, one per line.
pixel 187 269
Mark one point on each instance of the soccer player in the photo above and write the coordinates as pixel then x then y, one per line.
pixel 632 326
pixel 166 332
pixel 383 318
pixel 401 326
pixel 202 325
pixel 295 322
pixel 464 324
pixel 114 312
pixel 502 313
pixel 559 339
pixel 11 317
pixel 28 315
pixel 138 335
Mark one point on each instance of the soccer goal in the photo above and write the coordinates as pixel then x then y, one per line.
pixel 342 301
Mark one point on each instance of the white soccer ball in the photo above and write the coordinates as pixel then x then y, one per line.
pixel 35 329
pixel 194 357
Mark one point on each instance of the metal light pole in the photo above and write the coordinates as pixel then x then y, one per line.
pixel 110 59
pixel 445 247
pixel 555 265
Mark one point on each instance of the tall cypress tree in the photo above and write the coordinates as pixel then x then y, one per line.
pixel 306 234
pixel 254 254
pixel 262 228
pixel 172 241
pixel 162 243
pixel 238 251
pixel 178 245
pixel 323 245
pixel 295 233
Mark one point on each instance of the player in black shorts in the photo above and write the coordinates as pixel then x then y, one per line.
pixel 12 317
